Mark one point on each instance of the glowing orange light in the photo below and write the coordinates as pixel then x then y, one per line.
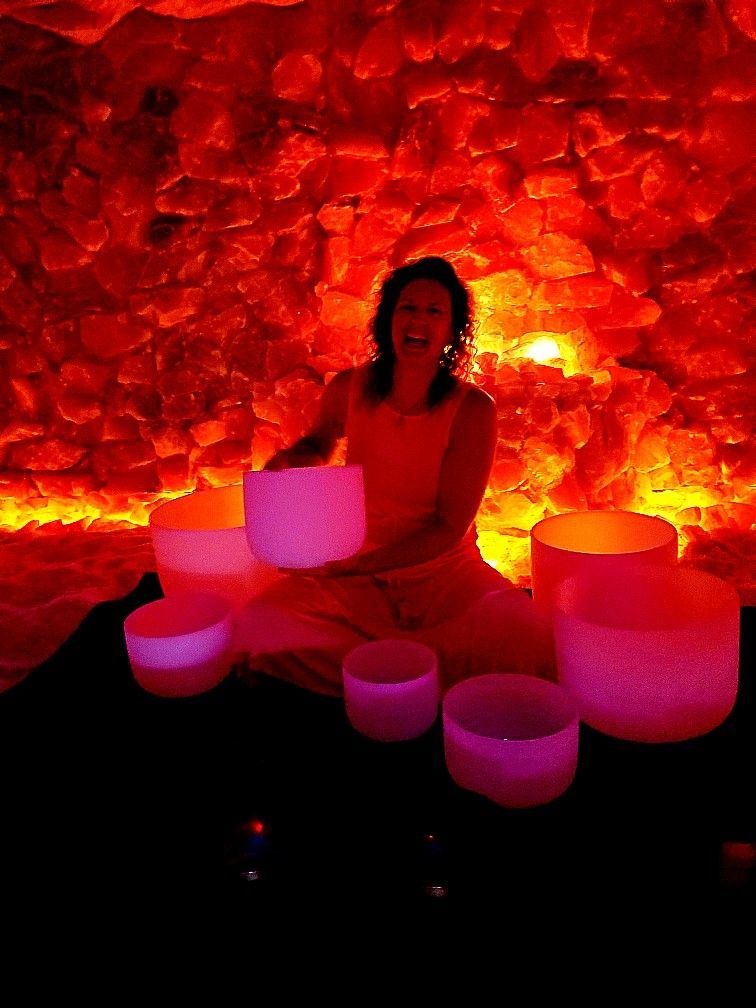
pixel 542 349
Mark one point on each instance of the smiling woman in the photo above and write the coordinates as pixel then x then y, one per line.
pixel 425 438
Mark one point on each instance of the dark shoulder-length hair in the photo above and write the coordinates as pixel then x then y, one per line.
pixel 456 354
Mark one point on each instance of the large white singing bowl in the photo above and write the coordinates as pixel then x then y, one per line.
pixel 298 518
pixel 200 544
pixel 511 738
pixel 391 689
pixel 651 656
pixel 594 541
pixel 181 645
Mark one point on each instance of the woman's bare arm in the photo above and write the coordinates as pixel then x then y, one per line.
pixel 317 445
pixel 464 475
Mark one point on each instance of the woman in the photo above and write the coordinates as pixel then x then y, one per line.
pixel 425 439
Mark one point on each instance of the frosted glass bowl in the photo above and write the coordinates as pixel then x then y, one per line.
pixel 299 518
pixel 587 541
pixel 391 689
pixel 181 645
pixel 200 544
pixel 511 738
pixel 652 657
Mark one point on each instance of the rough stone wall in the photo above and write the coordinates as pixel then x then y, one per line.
pixel 195 211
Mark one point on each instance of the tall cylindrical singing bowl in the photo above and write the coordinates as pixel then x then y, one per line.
pixel 305 517
pixel 593 542
pixel 651 656
pixel 200 544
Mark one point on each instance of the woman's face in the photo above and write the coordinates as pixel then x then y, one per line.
pixel 421 325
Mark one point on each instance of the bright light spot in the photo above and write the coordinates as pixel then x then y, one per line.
pixel 542 349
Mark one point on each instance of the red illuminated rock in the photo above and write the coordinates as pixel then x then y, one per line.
pixel 521 223
pixel 200 116
pixel 571 20
pixel 79 409
pixel 579 292
pixel 556 255
pixel 204 162
pixel 351 176
pixel 544 131
pixel 47 454
pixel 297 76
pixel 625 311
pixel 438 239
pixel 704 196
pixel 57 252
pixel 169 306
pixel 416 31
pixel 137 369
pixel 545 182
pixel 381 53
pixel 22 177
pixel 187 196
pixel 21 307
pixel 463 28
pixel 28 398
pixel 108 336
pixel 20 430
pixel 424 84
pixel 336 218
pixel 496 131
pixel 742 14
pixel 344 311
pixel 722 140
pixel 537 47
pixel 84 377
pixel 664 177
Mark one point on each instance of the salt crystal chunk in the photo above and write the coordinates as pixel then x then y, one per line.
pixel 381 53
pixel 296 77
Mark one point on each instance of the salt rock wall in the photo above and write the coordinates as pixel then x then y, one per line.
pixel 198 200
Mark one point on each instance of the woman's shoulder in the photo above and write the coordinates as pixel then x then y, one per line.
pixel 474 396
pixel 475 404
pixel 345 390
pixel 342 380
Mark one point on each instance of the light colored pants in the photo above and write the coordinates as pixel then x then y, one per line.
pixel 301 628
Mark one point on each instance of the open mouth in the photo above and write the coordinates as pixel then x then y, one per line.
pixel 417 342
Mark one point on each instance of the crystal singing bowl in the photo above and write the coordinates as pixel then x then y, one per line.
pixel 391 689
pixel 181 645
pixel 582 541
pixel 651 656
pixel 298 518
pixel 200 544
pixel 511 738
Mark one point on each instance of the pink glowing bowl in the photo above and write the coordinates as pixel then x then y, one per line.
pixel 391 689
pixel 200 545
pixel 586 541
pixel 181 645
pixel 511 738
pixel 298 518
pixel 650 657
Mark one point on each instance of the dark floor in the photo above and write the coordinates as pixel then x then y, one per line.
pixel 264 800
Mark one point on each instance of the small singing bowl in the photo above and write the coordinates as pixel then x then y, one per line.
pixel 200 544
pixel 577 542
pixel 305 517
pixel 391 689
pixel 511 738
pixel 181 645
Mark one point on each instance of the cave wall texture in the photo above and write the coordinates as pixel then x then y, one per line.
pixel 198 200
